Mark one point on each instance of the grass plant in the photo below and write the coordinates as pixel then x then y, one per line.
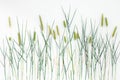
pixel 55 53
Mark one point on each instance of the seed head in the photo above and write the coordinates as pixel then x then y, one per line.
pixel 75 36
pixel 65 40
pixel 41 23
pixel 54 35
pixel 106 21
pixel 10 38
pixel 102 20
pixel 9 21
pixel 64 24
pixel 57 30
pixel 49 29
pixel 114 31
pixel 90 39
pixel 34 36
pixel 19 38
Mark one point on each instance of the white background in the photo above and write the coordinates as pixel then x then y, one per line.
pixel 51 10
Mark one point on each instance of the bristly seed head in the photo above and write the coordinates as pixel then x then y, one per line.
pixel 54 35
pixel 114 31
pixel 49 30
pixel 106 21
pixel 64 24
pixel 76 35
pixel 102 20
pixel 10 38
pixel 65 40
pixel 9 21
pixel 90 39
pixel 58 33
pixel 34 36
pixel 19 38
pixel 41 23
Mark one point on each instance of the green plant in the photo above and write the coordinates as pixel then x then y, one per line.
pixel 66 52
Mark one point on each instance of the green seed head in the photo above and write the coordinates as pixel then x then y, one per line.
pixel 90 39
pixel 34 36
pixel 9 21
pixel 10 38
pixel 114 31
pixel 57 30
pixel 49 29
pixel 106 21
pixel 75 35
pixel 102 20
pixel 65 40
pixel 19 38
pixel 64 24
pixel 41 23
pixel 54 35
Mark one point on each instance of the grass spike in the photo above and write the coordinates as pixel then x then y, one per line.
pixel 90 39
pixel 50 30
pixel 64 24
pixel 54 35
pixel 58 33
pixel 102 20
pixel 65 40
pixel 114 31
pixel 19 38
pixel 75 35
pixel 10 38
pixel 41 23
pixel 9 21
pixel 106 22
pixel 34 36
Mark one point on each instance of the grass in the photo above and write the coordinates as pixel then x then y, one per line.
pixel 67 53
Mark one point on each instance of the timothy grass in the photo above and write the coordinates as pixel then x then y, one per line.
pixel 66 52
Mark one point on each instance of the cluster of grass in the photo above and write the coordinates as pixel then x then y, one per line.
pixel 68 54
